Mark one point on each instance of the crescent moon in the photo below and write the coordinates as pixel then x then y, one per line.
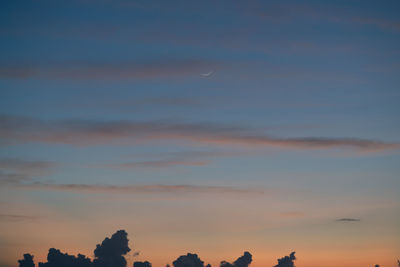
pixel 207 74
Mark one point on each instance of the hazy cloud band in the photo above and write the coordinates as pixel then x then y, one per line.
pixel 90 132
pixel 142 189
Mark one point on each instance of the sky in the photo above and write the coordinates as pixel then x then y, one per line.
pixel 211 127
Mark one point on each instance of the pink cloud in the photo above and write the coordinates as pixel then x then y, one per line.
pixel 88 132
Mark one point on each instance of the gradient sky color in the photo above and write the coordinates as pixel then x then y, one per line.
pixel 292 143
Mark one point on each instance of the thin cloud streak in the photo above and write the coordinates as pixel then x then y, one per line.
pixel 16 130
pixel 348 220
pixel 159 164
pixel 281 13
pixel 16 218
pixel 26 166
pixel 292 214
pixel 142 189
pixel 14 171
pixel 165 68
pixel 12 178
pixel 173 159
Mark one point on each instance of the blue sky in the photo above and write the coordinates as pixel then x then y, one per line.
pixel 105 103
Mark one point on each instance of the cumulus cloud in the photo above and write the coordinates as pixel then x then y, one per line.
pixel 141 264
pixel 27 261
pixel 91 132
pixel 243 261
pixel 110 253
pixel 188 260
pixel 287 261
pixel 55 258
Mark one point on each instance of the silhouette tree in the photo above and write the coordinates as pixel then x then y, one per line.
pixel 188 260
pixel 286 261
pixel 27 261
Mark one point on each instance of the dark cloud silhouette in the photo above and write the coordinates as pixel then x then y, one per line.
pixel 56 258
pixel 141 264
pixel 242 261
pixel 110 253
pixel 27 261
pixel 188 260
pixel 90 132
pixel 287 261
pixel 348 220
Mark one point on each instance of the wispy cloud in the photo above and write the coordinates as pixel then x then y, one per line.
pixel 165 68
pixel 142 189
pixel 12 178
pixel 92 132
pixel 16 218
pixel 326 13
pixel 348 220
pixel 292 214
pixel 14 170
pixel 159 163
pixel 26 170
pixel 133 105
pixel 171 159
pixel 26 166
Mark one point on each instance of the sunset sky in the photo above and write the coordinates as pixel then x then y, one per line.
pixel 211 127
